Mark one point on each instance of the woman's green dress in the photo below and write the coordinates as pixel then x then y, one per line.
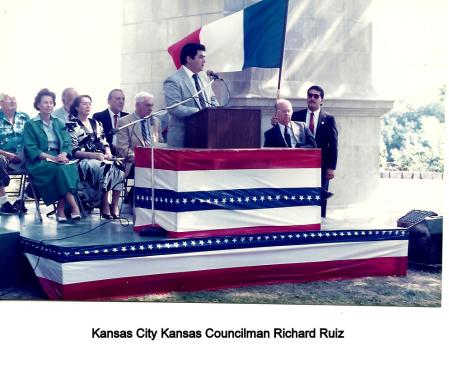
pixel 53 181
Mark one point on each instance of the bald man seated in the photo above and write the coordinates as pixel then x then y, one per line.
pixel 288 133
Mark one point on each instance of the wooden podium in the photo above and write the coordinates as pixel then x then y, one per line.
pixel 223 128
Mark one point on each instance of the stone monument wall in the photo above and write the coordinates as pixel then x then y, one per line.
pixel 328 42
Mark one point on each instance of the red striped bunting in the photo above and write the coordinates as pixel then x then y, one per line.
pixel 191 159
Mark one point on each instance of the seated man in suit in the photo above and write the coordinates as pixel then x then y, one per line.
pixel 288 133
pixel 144 132
pixel 68 96
pixel 109 117
pixel 185 83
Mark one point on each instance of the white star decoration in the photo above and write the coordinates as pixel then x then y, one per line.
pixel 216 241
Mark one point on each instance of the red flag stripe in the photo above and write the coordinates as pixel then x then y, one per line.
pixel 175 49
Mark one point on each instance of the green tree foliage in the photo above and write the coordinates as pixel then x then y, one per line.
pixel 412 138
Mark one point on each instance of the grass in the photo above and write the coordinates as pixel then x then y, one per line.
pixel 418 288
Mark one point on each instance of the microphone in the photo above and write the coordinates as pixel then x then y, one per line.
pixel 213 75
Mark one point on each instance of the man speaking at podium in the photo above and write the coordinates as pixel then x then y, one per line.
pixel 184 84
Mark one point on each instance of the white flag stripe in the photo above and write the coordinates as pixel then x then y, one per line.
pixel 224 43
pixel 85 271
pixel 225 219
pixel 214 180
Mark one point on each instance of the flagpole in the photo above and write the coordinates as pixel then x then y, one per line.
pixel 282 53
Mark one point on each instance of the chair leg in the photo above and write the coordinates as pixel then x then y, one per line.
pixel 80 204
pixel 36 199
pixel 22 193
pixel 125 193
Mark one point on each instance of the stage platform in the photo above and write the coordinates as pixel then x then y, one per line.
pixel 98 259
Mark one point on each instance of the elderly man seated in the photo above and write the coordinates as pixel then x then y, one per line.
pixel 138 130
pixel 287 133
pixel 11 148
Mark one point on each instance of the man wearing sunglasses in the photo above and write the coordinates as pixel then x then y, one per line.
pixel 324 129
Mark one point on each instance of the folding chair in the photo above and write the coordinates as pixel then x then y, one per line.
pixel 126 187
pixel 24 176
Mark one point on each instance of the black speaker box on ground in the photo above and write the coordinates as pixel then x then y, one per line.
pixel 414 217
pixel 425 246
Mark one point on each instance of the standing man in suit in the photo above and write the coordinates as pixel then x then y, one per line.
pixel 68 96
pixel 288 133
pixel 109 117
pixel 186 82
pixel 323 127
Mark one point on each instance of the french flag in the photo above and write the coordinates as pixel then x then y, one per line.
pixel 252 37
pixel 201 193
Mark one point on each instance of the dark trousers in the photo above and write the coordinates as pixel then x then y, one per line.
pixel 129 197
pixel 4 177
pixel 324 185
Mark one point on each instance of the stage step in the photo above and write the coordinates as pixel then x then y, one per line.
pixel 9 257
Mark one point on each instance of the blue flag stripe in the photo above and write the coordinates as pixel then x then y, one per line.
pixel 242 199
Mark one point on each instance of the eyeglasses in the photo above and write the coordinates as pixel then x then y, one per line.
pixel 316 96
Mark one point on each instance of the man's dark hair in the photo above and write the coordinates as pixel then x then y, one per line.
pixel 190 49
pixel 76 103
pixel 318 88
pixel 41 94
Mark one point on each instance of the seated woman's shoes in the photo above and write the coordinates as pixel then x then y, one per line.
pixel 7 208
pixel 113 214
pixel 105 216
pixel 75 217
pixel 61 219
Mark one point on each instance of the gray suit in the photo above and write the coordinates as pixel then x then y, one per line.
pixel 130 137
pixel 61 114
pixel 178 87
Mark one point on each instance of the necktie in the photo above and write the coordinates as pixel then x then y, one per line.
pixel 115 120
pixel 287 137
pixel 312 124
pixel 145 133
pixel 198 88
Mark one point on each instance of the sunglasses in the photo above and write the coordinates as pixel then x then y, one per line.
pixel 316 96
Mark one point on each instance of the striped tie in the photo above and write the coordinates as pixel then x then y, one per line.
pixel 145 133
pixel 198 88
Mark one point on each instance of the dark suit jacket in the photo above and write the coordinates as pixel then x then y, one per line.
pixel 274 137
pixel 326 137
pixel 105 119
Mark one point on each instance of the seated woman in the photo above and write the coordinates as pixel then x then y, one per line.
pixel 89 145
pixel 47 147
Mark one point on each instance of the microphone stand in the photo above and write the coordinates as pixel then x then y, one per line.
pixel 152 230
pixel 162 111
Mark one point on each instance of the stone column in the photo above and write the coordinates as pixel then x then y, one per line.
pixel 328 43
